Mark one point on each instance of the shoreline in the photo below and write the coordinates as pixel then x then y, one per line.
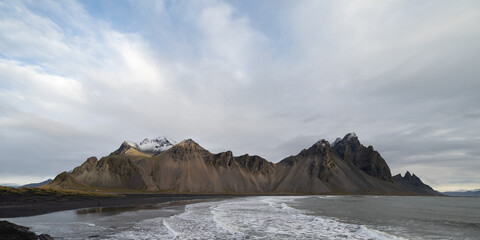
pixel 27 206
pixel 15 207
pixel 13 228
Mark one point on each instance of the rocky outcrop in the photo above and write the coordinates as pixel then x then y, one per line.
pixel 365 158
pixel 413 184
pixel 12 231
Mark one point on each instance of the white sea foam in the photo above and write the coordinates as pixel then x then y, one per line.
pixel 269 217
pixel 252 218
pixel 146 229
pixel 327 196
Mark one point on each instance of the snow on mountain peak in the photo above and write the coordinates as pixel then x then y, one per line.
pixel 351 135
pixel 156 145
pixel 131 144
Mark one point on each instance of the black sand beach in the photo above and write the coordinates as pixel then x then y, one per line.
pixel 21 206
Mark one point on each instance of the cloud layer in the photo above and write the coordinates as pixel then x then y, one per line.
pixel 270 78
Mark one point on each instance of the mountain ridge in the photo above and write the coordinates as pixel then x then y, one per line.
pixel 346 168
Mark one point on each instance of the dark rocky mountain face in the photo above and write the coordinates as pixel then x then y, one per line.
pixel 414 184
pixel 255 164
pixel 321 163
pixel 365 158
pixel 346 168
pixel 310 171
pixel 320 170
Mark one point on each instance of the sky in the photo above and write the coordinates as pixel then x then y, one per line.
pixel 266 78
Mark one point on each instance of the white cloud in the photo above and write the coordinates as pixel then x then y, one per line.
pixel 128 65
pixel 392 71
pixel 229 41
pixel 39 87
pixel 29 36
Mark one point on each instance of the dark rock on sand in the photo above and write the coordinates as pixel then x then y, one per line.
pixel 12 231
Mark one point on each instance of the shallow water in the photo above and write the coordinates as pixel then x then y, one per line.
pixel 273 217
pixel 408 217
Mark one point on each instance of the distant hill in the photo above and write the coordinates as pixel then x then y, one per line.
pixel 10 185
pixel 162 165
pixel 34 185
pixel 473 193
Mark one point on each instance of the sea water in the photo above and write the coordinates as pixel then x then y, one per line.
pixel 274 217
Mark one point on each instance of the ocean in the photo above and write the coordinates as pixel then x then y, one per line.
pixel 272 217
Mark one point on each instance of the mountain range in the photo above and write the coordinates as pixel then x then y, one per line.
pixel 162 165
pixel 464 193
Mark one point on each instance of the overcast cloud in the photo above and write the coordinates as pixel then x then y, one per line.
pixel 266 78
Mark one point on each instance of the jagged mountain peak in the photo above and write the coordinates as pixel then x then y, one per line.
pixel 321 147
pixel 190 145
pixel 124 147
pixel 410 177
pixel 351 136
pixel 367 159
pixel 413 183
pixel 323 142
